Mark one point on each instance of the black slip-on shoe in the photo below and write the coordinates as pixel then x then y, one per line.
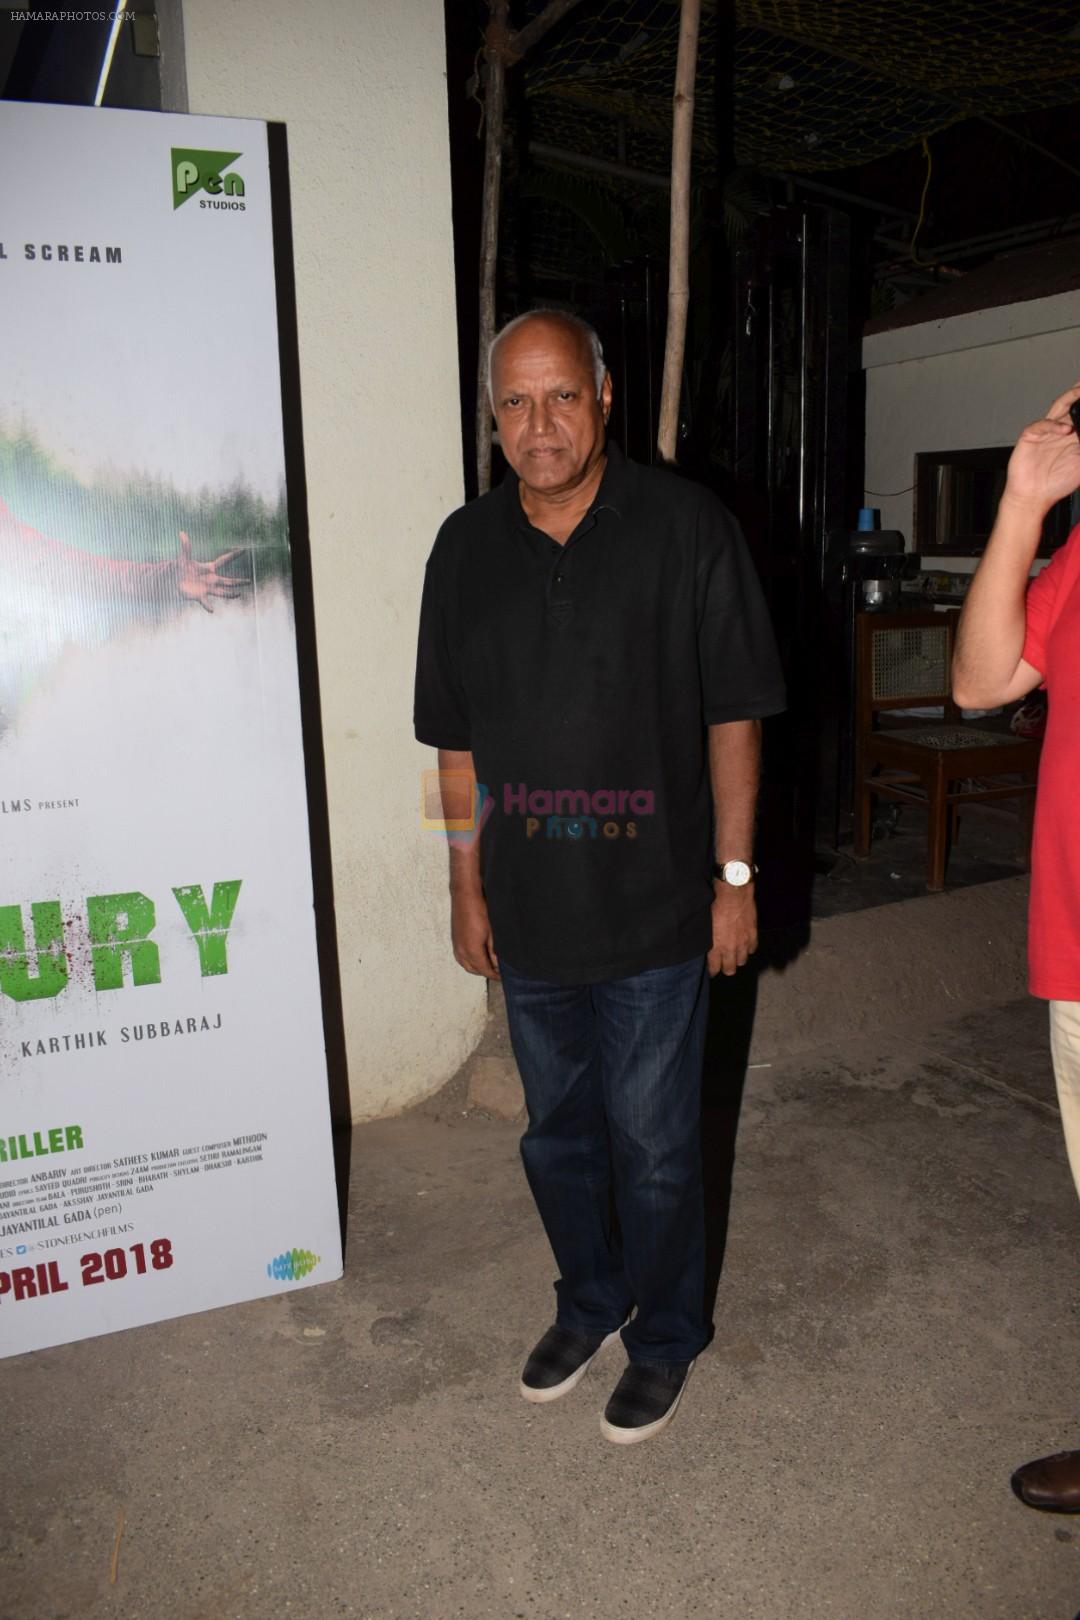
pixel 560 1361
pixel 644 1401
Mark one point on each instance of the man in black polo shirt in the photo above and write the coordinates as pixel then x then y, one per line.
pixel 595 652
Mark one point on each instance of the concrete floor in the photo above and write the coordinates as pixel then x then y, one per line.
pixel 991 846
pixel 896 1328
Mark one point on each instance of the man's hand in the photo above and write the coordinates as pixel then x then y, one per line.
pixel 199 581
pixel 1045 464
pixel 470 933
pixel 734 928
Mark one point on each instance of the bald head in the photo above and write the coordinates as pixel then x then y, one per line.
pixel 559 320
pixel 551 396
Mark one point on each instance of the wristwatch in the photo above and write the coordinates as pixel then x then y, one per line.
pixel 737 873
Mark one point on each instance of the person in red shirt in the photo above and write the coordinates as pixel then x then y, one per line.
pixel 1012 638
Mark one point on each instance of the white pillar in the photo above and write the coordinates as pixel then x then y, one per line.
pixel 362 90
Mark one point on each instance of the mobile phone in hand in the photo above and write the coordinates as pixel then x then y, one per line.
pixel 1074 412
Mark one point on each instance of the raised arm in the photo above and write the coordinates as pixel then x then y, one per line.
pixel 183 575
pixel 988 666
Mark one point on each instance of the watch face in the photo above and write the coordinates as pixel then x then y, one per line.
pixel 736 873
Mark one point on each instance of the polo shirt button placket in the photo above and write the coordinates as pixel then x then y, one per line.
pixel 560 608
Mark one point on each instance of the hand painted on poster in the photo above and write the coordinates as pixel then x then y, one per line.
pixel 36 557
pixel 54 595
pixel 199 581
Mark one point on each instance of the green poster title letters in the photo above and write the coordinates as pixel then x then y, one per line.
pixel 210 927
pixel 119 924
pixel 119 928
pixel 51 968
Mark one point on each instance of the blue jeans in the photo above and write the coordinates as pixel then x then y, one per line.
pixel 612 1077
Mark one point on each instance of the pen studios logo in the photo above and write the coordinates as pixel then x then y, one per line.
pixel 194 171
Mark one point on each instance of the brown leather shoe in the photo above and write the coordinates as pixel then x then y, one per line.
pixel 1052 1483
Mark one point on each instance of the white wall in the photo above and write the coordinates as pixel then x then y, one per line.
pixel 960 384
pixel 361 86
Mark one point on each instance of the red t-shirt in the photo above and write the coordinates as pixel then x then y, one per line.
pixel 1052 646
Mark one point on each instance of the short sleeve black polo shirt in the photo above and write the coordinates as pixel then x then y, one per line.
pixel 582 677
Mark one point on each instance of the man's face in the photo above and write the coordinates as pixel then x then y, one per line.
pixel 551 424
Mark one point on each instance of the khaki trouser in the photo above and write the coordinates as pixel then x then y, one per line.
pixel 1065 1048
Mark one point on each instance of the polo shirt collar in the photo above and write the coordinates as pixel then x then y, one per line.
pixel 612 496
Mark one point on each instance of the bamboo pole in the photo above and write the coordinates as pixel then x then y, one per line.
pixel 502 49
pixel 682 136
pixel 496 51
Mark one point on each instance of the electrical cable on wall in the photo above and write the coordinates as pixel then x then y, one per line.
pixel 922 203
